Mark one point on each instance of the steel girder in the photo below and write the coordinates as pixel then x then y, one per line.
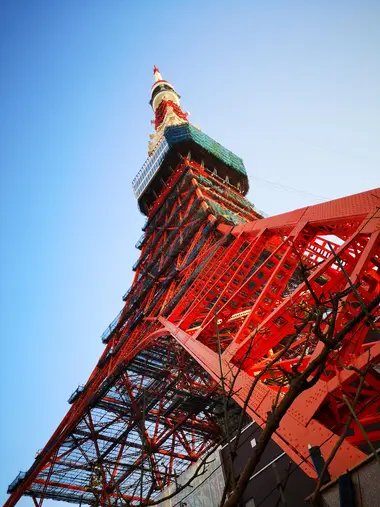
pixel 139 434
pixel 260 284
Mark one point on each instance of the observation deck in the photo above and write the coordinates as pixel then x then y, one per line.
pixel 177 142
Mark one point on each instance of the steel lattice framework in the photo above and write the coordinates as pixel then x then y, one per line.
pixel 210 265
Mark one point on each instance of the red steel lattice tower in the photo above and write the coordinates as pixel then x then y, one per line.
pixel 210 260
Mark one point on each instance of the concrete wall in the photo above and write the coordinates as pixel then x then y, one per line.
pixel 366 481
pixel 205 490
pixel 274 467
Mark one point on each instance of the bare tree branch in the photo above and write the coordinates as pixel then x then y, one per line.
pixel 299 384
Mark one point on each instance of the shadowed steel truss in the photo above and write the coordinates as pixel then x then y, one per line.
pixel 156 419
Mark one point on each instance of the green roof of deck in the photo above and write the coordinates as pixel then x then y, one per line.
pixel 187 132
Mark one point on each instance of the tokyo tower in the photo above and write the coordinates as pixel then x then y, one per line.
pixel 215 283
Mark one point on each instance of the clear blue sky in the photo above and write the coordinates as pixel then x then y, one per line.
pixel 292 87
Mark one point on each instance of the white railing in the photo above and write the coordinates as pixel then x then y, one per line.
pixel 150 168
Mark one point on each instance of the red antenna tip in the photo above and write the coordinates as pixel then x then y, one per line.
pixel 155 69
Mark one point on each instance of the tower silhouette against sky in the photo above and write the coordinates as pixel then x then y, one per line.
pixel 213 275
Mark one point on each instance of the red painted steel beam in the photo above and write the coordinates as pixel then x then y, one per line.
pixel 77 488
